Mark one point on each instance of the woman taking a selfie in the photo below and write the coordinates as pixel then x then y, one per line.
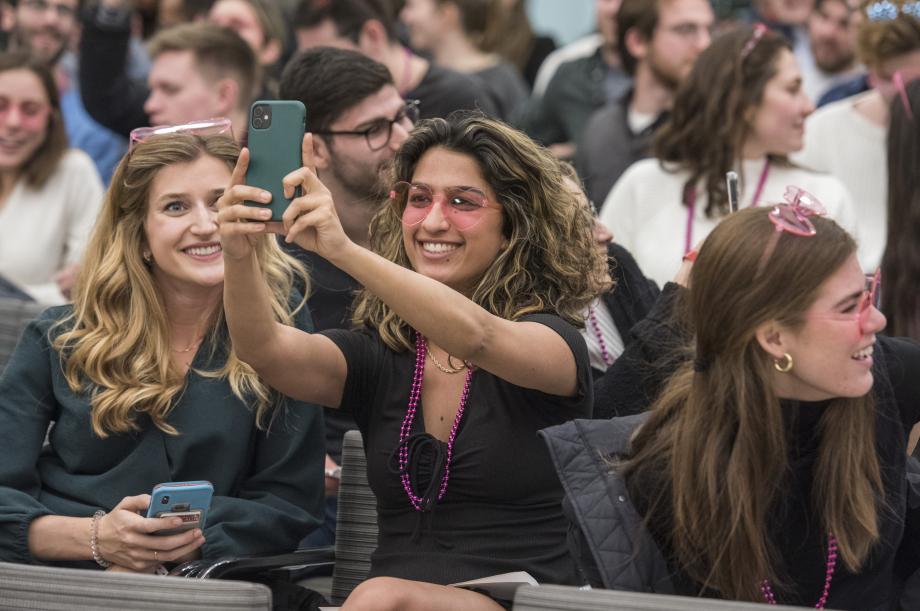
pixel 771 466
pixel 143 386
pixel 49 194
pixel 466 346
pixel 742 108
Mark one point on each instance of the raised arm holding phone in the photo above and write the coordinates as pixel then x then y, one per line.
pixel 465 346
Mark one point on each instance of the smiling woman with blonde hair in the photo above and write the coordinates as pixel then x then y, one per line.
pixel 143 386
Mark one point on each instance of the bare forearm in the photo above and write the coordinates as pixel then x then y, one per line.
pixel 440 313
pixel 247 305
pixel 60 538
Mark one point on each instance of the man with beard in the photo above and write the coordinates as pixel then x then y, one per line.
pixel 659 42
pixel 45 28
pixel 832 34
pixel 358 121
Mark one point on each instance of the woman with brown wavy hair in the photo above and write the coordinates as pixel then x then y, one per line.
pixel 771 466
pixel 143 386
pixel 483 263
pixel 742 108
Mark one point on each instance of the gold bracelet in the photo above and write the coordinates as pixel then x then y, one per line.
pixel 94 541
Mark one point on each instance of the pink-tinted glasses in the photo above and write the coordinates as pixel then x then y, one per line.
pixel 207 127
pixel 870 298
pixel 792 217
pixel 463 207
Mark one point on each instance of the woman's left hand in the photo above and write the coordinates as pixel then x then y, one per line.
pixel 311 221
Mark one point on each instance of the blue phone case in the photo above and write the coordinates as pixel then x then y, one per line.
pixel 178 497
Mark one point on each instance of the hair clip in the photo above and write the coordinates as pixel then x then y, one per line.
pixel 882 11
pixel 759 30
pixel 912 9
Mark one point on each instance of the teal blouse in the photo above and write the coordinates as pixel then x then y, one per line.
pixel 268 484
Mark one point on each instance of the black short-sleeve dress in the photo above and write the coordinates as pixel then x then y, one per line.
pixel 502 508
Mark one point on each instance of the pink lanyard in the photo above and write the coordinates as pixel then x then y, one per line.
pixel 691 204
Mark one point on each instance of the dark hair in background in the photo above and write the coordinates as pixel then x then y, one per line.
pixel 349 16
pixel 219 53
pixel 329 81
pixel 712 110
pixel 41 165
pixel 901 261
pixel 641 15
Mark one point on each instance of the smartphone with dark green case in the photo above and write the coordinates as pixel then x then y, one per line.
pixel 276 129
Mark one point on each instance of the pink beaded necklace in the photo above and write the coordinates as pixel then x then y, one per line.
pixel 828 575
pixel 605 354
pixel 418 502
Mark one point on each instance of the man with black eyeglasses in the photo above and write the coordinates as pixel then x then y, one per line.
pixel 358 121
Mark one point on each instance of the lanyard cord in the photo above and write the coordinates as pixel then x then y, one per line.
pixel 691 204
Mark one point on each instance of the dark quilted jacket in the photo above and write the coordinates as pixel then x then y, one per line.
pixel 607 537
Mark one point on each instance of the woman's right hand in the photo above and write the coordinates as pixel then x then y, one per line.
pixel 127 539
pixel 240 225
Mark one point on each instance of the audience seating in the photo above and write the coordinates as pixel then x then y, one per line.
pixel 356 538
pixel 15 314
pixel 562 598
pixel 42 588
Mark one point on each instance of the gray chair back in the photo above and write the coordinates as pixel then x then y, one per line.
pixel 564 598
pixel 42 588
pixel 356 529
pixel 15 314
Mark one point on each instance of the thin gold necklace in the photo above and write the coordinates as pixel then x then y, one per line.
pixel 189 347
pixel 437 363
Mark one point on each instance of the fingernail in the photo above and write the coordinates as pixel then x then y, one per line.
pixel 265 196
pixel 265 214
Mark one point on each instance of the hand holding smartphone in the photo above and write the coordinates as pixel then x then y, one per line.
pixel 189 501
pixel 276 130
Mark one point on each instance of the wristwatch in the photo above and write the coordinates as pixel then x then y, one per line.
pixel 334 473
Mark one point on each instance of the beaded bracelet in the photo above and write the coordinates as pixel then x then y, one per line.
pixel 94 541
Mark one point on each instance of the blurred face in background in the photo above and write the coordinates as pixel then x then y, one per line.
pixel 45 27
pixel 241 17
pixel 423 20
pixel 778 123
pixel 606 14
pixel 683 32
pixel 25 111
pixel 831 34
pixel 787 12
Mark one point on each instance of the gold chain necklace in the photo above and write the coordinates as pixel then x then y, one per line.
pixel 190 346
pixel 437 363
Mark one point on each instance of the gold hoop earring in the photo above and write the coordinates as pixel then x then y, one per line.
pixel 786 365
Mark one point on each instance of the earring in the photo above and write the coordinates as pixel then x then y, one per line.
pixel 148 257
pixel 783 365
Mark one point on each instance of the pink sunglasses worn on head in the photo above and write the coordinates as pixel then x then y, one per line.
pixel 792 217
pixel 463 207
pixel 206 127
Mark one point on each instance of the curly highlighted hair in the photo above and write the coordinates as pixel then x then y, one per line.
pixel 115 345
pixel 551 263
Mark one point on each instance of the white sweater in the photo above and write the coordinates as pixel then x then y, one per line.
pixel 43 231
pixel 645 210
pixel 842 142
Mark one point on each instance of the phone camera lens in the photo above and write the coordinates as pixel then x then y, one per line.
pixel 258 110
pixel 165 500
pixel 258 123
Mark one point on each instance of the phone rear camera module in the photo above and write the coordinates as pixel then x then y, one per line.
pixel 261 117
pixel 165 500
